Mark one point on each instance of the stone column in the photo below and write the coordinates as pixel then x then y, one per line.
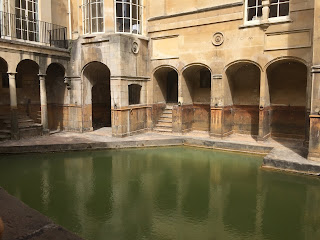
pixel 13 106
pixel 43 102
pixel 264 108
pixel 314 137
pixel 265 10
pixel 217 109
pixel 265 14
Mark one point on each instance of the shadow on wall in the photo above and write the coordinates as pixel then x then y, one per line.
pixel 56 93
pixel 244 84
pixel 97 96
pixel 288 83
pixel 28 90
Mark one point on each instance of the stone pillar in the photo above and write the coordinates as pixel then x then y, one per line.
pixel 265 15
pixel 314 137
pixel 265 10
pixel 13 106
pixel 43 102
pixel 217 110
pixel 264 108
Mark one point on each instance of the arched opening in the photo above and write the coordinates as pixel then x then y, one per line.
pixel 166 85
pixel 287 85
pixel 4 93
pixel 196 90
pixel 97 96
pixel 56 91
pixel 244 97
pixel 28 90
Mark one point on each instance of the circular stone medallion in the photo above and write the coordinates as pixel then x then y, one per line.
pixel 135 47
pixel 217 39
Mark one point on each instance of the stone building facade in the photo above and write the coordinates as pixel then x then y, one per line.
pixel 223 66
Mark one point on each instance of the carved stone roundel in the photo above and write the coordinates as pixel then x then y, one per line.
pixel 218 39
pixel 135 47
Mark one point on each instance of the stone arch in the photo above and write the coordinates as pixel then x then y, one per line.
pixel 56 92
pixel 285 58
pixel 287 83
pixel 165 88
pixel 242 61
pixel 96 96
pixel 243 95
pixel 28 91
pixel 196 91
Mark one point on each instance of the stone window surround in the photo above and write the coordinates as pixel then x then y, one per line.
pixel 264 20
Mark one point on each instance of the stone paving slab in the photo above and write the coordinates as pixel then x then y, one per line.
pixel 22 223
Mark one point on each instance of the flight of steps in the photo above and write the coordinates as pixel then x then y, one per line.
pixel 27 127
pixel 165 122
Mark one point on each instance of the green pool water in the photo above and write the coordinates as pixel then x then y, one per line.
pixel 165 193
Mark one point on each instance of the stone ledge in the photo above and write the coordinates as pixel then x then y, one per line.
pixel 21 222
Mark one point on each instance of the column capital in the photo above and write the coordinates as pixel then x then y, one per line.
pixel 315 69
pixel 12 73
pixel 42 75
pixel 216 76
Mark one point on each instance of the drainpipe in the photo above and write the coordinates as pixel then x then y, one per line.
pixel 69 17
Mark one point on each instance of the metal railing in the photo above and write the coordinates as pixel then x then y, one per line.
pixel 23 28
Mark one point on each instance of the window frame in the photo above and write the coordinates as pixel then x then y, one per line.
pixel 25 32
pixel 87 9
pixel 250 22
pixel 131 19
pixel 279 18
pixel 270 19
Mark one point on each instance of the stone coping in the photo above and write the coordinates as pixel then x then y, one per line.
pixel 277 157
pixel 21 222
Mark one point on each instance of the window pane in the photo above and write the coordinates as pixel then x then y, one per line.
pixel 139 13
pixel 251 14
pixel 94 25
pixel 100 10
pixel 100 24
pixel 126 25
pixel 93 10
pixel 119 10
pixel 23 4
pixel 252 3
pixel 17 3
pixel 273 11
pixel 134 12
pixel 135 26
pixel 284 9
pixel 119 25
pixel 126 9
pixel 259 12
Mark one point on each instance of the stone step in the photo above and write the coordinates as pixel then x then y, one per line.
pixel 168 107
pixel 164 124
pixel 5 131
pixel 20 120
pixel 158 129
pixel 4 137
pixel 165 120
pixel 167 112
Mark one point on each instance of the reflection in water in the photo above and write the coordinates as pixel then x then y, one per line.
pixel 165 193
